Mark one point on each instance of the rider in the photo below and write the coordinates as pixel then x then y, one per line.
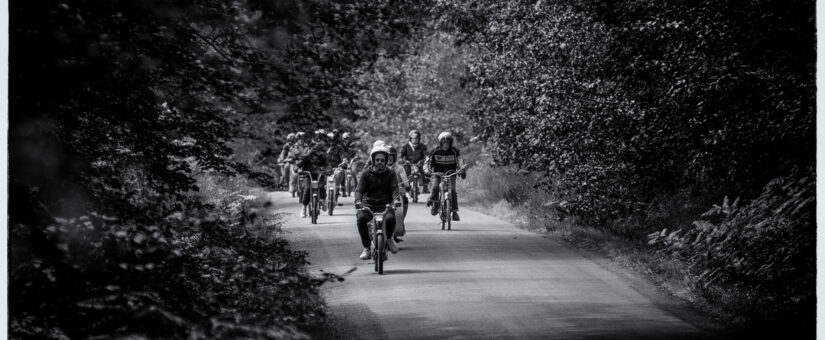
pixel 377 187
pixel 403 187
pixel 352 151
pixel 313 160
pixel 415 153
pixel 442 159
pixel 290 141
pixel 337 155
pixel 297 150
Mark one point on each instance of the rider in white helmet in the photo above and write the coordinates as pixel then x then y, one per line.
pixel 415 152
pixel 442 159
pixel 377 187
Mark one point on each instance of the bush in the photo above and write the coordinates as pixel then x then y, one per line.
pixel 205 272
pixel 762 253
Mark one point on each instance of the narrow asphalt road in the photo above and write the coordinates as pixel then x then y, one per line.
pixel 483 279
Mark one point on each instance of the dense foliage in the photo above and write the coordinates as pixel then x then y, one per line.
pixel 625 99
pixel 119 110
pixel 122 111
pixel 419 90
pixel 764 248
pixel 637 112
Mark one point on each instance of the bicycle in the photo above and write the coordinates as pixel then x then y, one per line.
pixel 349 184
pixel 416 179
pixel 445 205
pixel 378 235
pixel 314 203
pixel 332 191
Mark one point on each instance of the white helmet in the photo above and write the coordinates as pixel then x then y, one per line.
pixel 377 143
pixel 445 135
pixel 379 148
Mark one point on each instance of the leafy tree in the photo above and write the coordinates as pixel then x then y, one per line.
pixel 419 90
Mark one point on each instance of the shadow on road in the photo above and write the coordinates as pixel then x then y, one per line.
pixel 420 271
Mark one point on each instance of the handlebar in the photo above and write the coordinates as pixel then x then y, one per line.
pixel 396 204
pixel 364 207
pixel 310 174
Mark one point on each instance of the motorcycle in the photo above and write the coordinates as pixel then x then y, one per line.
pixel 378 235
pixel 315 200
pixel 445 207
pixel 416 181
pixel 333 191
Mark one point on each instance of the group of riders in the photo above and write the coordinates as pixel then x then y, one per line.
pixel 381 177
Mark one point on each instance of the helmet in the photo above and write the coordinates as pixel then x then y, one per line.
pixel 377 143
pixel 379 148
pixel 300 134
pixel 345 135
pixel 330 135
pixel 445 135
pixel 290 136
pixel 320 132
pixel 393 153
pixel 414 133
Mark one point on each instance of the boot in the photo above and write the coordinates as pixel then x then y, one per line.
pixel 433 207
pixel 304 212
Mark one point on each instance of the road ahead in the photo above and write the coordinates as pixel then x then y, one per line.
pixel 484 279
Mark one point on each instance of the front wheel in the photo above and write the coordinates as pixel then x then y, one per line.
pixel 448 217
pixel 415 191
pixel 379 260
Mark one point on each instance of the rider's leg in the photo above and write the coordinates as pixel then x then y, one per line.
pixel 454 200
pixel 433 200
pixel 293 179
pixel 340 179
pixel 400 229
pixel 452 192
pixel 389 223
pixel 362 218
pixel 322 187
pixel 305 191
pixel 434 190
pixel 404 203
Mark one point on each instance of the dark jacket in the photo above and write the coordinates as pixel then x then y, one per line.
pixel 413 155
pixel 336 154
pixel 314 161
pixel 376 188
pixel 443 161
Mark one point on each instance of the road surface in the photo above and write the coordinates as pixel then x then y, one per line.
pixel 483 279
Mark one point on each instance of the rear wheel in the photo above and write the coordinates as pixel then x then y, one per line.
pixel 313 209
pixel 379 260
